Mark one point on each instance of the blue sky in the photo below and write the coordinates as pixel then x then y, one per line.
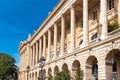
pixel 18 18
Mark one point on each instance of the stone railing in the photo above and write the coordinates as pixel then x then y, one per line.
pixel 113 33
pixel 93 41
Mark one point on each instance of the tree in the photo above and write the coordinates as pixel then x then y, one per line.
pixel 113 26
pixel 50 77
pixel 7 67
pixel 63 75
pixel 79 74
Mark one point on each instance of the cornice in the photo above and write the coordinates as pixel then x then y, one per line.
pixel 22 44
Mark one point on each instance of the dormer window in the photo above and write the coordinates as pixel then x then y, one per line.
pixel 94 36
pixel 110 4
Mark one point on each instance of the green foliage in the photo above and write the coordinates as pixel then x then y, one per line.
pixel 112 27
pixel 38 78
pixel 79 74
pixel 50 77
pixel 7 66
pixel 64 75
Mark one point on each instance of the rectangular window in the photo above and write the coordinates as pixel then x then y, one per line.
pixel 94 15
pixel 110 4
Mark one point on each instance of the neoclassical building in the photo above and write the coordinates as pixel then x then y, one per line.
pixel 77 33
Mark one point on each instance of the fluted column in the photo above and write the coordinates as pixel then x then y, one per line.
pixel 40 48
pixel 119 12
pixel 85 22
pixel 62 34
pixel 72 27
pixel 55 40
pixel 44 46
pixel 36 52
pixel 103 19
pixel 49 44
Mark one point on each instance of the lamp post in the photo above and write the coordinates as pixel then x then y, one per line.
pixel 42 62
pixel 27 69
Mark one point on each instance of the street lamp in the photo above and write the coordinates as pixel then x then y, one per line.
pixel 27 69
pixel 42 62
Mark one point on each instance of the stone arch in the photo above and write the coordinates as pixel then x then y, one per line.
pixel 56 70
pixel 49 73
pixel 75 67
pixel 65 66
pixel 92 68
pixel 113 65
pixel 76 64
pixel 42 73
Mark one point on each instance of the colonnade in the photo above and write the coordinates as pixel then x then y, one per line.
pixel 42 41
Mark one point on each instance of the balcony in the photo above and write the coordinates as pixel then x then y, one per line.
pixel 114 33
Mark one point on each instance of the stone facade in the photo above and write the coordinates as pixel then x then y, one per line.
pixel 75 34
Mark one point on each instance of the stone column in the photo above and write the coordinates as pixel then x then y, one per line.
pixel 36 52
pixel 62 34
pixel 30 56
pixel 85 23
pixel 103 19
pixel 119 12
pixel 49 44
pixel 72 27
pixel 55 40
pixel 33 55
pixel 40 48
pixel 44 46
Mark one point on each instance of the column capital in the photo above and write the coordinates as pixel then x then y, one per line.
pixel 63 15
pixel 72 6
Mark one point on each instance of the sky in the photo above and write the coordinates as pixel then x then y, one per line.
pixel 18 18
